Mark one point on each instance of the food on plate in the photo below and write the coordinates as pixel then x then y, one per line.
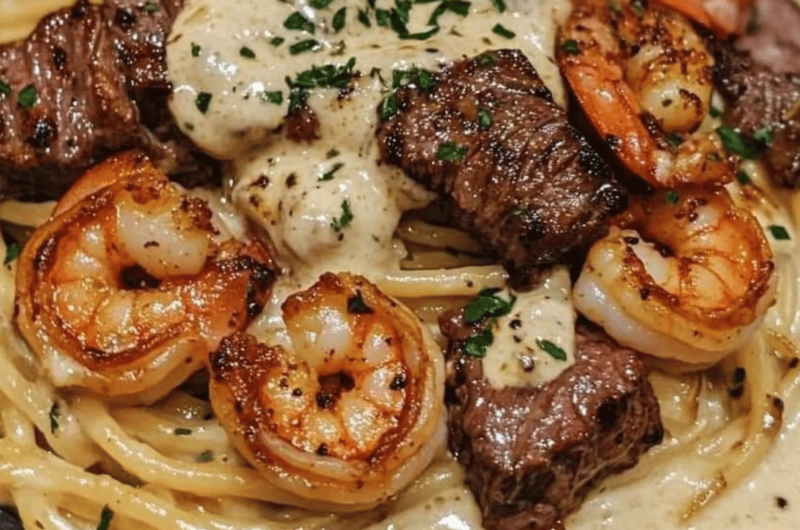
pixel 533 453
pixel 686 276
pixel 487 135
pixel 90 80
pixel 352 413
pixel 130 285
pixel 643 76
pixel 462 264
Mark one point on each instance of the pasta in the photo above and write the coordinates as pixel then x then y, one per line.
pixel 67 457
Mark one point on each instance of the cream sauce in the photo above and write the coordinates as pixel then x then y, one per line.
pixel 529 341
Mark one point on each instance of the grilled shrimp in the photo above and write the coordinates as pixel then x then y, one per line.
pixel 724 17
pixel 129 285
pixel 686 277
pixel 644 78
pixel 352 412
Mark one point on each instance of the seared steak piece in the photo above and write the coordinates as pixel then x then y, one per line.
pixel 767 94
pixel 487 135
pixel 88 81
pixel 533 454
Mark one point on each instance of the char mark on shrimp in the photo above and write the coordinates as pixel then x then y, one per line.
pixel 510 168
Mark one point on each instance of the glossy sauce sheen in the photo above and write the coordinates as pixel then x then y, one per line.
pixel 281 186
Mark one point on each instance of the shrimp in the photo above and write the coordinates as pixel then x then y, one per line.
pixel 128 287
pixel 644 78
pixel 353 414
pixel 688 277
pixel 723 17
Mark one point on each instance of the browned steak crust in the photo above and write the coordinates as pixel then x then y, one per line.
pixel 528 185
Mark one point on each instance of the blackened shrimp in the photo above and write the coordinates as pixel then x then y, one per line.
pixel 129 286
pixel 644 79
pixel 353 414
pixel 687 277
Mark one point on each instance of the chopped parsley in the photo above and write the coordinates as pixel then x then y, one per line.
pixel 451 152
pixel 345 219
pixel 571 46
pixel 297 98
pixel 779 232
pixel 196 49
pixel 738 143
pixel 150 7
pixel 484 118
pixel 476 346
pixel 715 112
pixel 458 7
pixel 552 349
pixel 320 4
pixel 105 518
pixel 277 41
pixel 638 8
pixel 296 21
pixel 12 252
pixel 182 431
pixel 382 17
pixel 363 17
pixel 672 197
pixel 327 76
pixel 339 19
pixel 501 30
pixel 272 96
pixel 328 175
pixel 5 90
pixel 247 53
pixel 55 413
pixel 674 140
pixel 743 178
pixel 303 46
pixel 485 60
pixel 425 80
pixel 27 97
pixel 487 305
pixel 357 306
pixel 500 5
pixel 205 456
pixel 202 101
pixel 388 107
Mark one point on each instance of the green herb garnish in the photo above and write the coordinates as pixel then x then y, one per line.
pixel 499 29
pixel 328 175
pixel 274 96
pixel 779 232
pixel 388 107
pixel 55 413
pixel 27 97
pixel 303 46
pixel 205 456
pixel 339 19
pixel 12 252
pixel 476 346
pixel 150 7
pixel 450 152
pixel 487 305
pixel 553 350
pixel 500 5
pixel 345 219
pixel 672 197
pixel 202 101
pixel 320 4
pixel 740 144
pixel 296 21
pixel 484 118
pixel 182 431
pixel 743 178
pixel 196 49
pixel 247 53
pixel 571 46
pixel 105 518
pixel 277 41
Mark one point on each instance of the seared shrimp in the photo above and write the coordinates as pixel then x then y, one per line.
pixel 687 277
pixel 353 414
pixel 724 17
pixel 127 289
pixel 644 78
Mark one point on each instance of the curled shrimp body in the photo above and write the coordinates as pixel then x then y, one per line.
pixel 644 79
pixel 724 17
pixel 126 290
pixel 353 414
pixel 686 278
